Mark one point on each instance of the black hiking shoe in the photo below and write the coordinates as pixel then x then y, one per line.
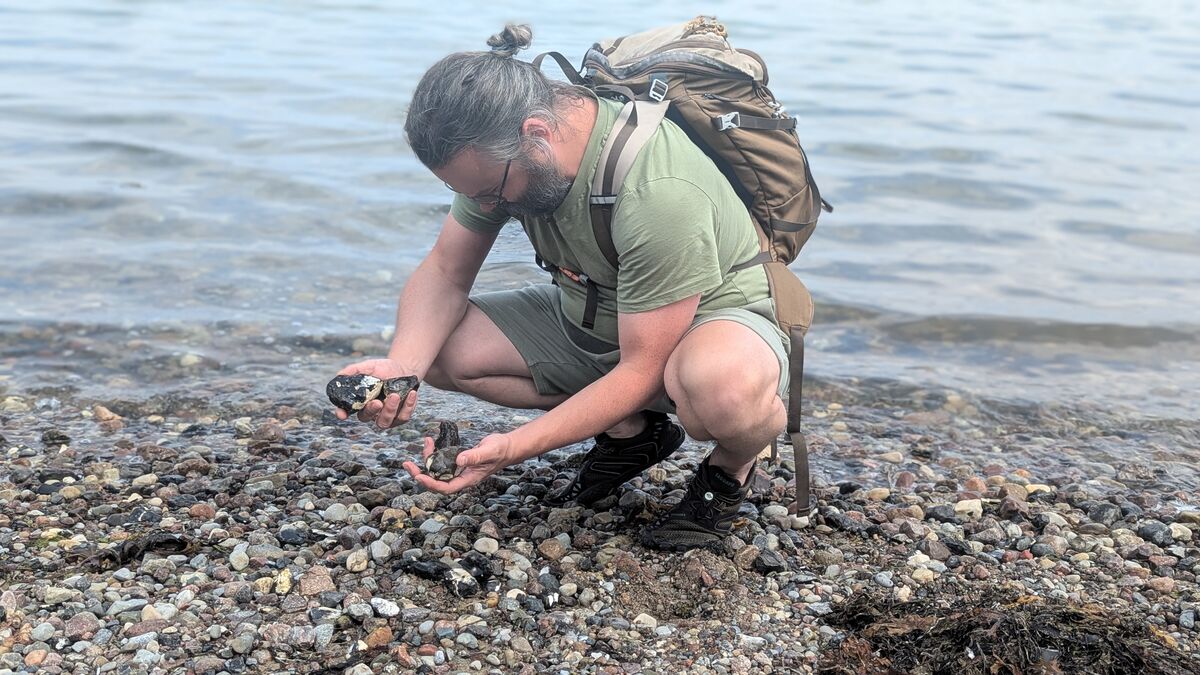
pixel 612 461
pixel 703 517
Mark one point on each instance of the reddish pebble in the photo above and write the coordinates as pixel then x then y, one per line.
pixel 975 484
pixel 905 480
pixel 202 511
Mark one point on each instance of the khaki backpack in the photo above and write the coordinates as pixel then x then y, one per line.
pixel 690 74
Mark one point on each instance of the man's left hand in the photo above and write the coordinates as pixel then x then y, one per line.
pixel 493 453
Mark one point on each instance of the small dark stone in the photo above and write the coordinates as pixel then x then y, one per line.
pixel 428 569
pixel 956 545
pixel 1041 550
pixel 477 565
pixel 1130 510
pixel 181 501
pixel 348 538
pixel 848 487
pixel 1156 533
pixel 943 513
pixel 447 435
pixel 1104 513
pixel 331 598
pixel 400 386
pixel 292 535
pixel 52 438
pixel 320 615
pixel 769 561
pixel 533 604
pixel 844 522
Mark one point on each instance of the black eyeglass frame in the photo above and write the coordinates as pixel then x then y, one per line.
pixel 496 199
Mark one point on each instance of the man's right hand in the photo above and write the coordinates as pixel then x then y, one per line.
pixel 391 411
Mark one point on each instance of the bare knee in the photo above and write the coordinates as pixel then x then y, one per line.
pixel 724 392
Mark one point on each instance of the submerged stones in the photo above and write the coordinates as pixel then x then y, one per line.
pixel 352 392
pixel 443 463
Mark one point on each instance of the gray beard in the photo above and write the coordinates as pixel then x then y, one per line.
pixel 546 190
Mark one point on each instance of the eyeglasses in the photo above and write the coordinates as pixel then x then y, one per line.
pixel 495 199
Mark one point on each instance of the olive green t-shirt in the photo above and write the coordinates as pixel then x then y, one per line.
pixel 677 226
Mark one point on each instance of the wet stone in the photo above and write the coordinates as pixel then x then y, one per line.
pixel 443 463
pixel 1104 513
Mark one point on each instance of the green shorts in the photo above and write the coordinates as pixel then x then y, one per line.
pixel 564 359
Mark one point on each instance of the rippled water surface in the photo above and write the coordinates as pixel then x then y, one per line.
pixel 1016 183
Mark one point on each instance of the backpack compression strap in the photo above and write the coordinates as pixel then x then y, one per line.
pixel 803 504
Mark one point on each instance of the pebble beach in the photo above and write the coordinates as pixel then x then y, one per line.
pixel 291 542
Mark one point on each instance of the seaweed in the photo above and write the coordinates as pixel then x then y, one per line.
pixel 1001 634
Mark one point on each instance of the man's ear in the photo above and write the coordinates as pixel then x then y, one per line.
pixel 535 127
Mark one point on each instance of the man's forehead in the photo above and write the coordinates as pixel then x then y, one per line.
pixel 470 170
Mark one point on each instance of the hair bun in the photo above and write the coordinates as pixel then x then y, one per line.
pixel 511 40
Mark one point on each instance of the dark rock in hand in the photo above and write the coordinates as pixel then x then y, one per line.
pixel 400 386
pixel 447 435
pixel 443 463
pixel 352 392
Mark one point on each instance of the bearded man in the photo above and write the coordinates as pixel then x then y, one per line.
pixel 676 328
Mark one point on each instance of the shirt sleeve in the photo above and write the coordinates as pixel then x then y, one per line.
pixel 665 235
pixel 476 219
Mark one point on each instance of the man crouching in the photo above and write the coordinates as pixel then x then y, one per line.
pixel 607 350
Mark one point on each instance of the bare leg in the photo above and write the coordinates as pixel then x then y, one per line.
pixel 724 378
pixel 478 359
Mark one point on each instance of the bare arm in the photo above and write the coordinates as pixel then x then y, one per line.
pixel 435 298
pixel 431 305
pixel 646 340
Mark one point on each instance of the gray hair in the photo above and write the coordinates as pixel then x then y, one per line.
pixel 480 100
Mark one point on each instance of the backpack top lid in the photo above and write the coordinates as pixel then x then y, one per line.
pixel 701 41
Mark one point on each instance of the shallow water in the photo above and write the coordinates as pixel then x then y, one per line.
pixel 1014 183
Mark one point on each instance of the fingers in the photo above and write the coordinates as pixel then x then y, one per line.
pixel 471 457
pixel 428 449
pixel 341 414
pixel 387 412
pixel 445 488
pixel 369 411
pixel 406 411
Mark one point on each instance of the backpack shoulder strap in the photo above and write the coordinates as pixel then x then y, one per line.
pixel 634 126
pixel 568 70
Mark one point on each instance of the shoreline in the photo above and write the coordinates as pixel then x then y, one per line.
pixel 311 551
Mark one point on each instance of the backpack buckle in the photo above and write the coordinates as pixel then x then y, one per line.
pixel 728 121
pixel 658 90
